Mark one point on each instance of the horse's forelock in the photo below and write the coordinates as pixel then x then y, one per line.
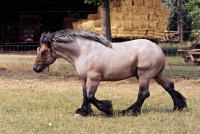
pixel 45 37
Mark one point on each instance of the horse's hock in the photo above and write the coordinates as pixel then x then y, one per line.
pixel 131 19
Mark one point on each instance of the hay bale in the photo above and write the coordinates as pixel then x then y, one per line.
pixel 144 17
pixel 152 25
pixel 143 10
pixel 99 12
pixel 126 3
pixel 128 16
pixel 166 13
pixel 116 24
pixel 113 10
pixel 97 23
pixel 134 10
pixel 131 19
pixel 88 25
pixel 142 33
pixel 136 17
pixel 157 34
pixel 127 25
pixel 119 10
pixel 138 3
pixel 97 30
pixel 148 3
pixel 161 26
pixel 134 34
pixel 158 11
pixel 150 33
pixel 125 33
pixel 144 25
pixel 92 17
pixel 77 25
pixel 113 16
pixel 113 4
pixel 126 9
pixel 158 3
pixel 152 17
pixel 119 17
pixel 136 25
pixel 151 11
pixel 114 32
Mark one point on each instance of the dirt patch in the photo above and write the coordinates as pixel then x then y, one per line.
pixel 29 79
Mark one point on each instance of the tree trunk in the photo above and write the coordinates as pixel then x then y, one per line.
pixel 179 19
pixel 105 19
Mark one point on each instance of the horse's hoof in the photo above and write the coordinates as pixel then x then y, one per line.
pixel 181 106
pixel 83 112
pixel 131 112
pixel 108 109
pixel 177 108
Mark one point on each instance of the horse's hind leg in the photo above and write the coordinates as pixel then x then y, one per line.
pixel 178 99
pixel 142 95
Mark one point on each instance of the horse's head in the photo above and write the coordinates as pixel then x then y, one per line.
pixel 45 55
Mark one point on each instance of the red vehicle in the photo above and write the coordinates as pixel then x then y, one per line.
pixel 29 28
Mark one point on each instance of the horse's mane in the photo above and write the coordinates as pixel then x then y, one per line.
pixel 69 36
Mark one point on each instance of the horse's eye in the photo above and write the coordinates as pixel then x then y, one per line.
pixel 42 53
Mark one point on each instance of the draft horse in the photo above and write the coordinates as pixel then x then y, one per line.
pixel 97 59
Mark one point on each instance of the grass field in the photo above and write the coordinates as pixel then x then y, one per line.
pixel 33 103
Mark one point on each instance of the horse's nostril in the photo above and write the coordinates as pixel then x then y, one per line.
pixel 35 68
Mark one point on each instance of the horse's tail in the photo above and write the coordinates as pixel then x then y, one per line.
pixel 162 47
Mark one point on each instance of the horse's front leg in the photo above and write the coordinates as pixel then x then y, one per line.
pixel 105 105
pixel 144 93
pixel 86 106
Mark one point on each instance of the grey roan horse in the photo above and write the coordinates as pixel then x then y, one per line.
pixel 96 59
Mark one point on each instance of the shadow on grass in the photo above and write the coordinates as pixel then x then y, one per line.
pixel 118 113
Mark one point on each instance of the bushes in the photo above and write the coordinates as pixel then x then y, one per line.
pixel 171 49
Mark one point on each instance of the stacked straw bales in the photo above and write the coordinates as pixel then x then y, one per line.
pixel 131 19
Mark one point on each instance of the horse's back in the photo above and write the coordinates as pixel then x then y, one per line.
pixel 143 48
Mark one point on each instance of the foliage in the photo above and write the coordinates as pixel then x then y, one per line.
pixel 193 8
pixel 171 49
pixel 172 24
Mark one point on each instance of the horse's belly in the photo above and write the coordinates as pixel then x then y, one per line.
pixel 118 73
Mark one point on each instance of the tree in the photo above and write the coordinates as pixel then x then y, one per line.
pixel 105 16
pixel 193 8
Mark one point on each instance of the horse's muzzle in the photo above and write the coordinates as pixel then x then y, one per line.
pixel 37 69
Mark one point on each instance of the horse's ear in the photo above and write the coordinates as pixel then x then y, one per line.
pixel 49 42
pixel 38 50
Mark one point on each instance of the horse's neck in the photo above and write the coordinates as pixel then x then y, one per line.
pixel 69 52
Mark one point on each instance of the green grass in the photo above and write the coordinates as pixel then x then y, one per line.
pixel 176 61
pixel 47 111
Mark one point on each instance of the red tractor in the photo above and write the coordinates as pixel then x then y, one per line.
pixel 29 28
